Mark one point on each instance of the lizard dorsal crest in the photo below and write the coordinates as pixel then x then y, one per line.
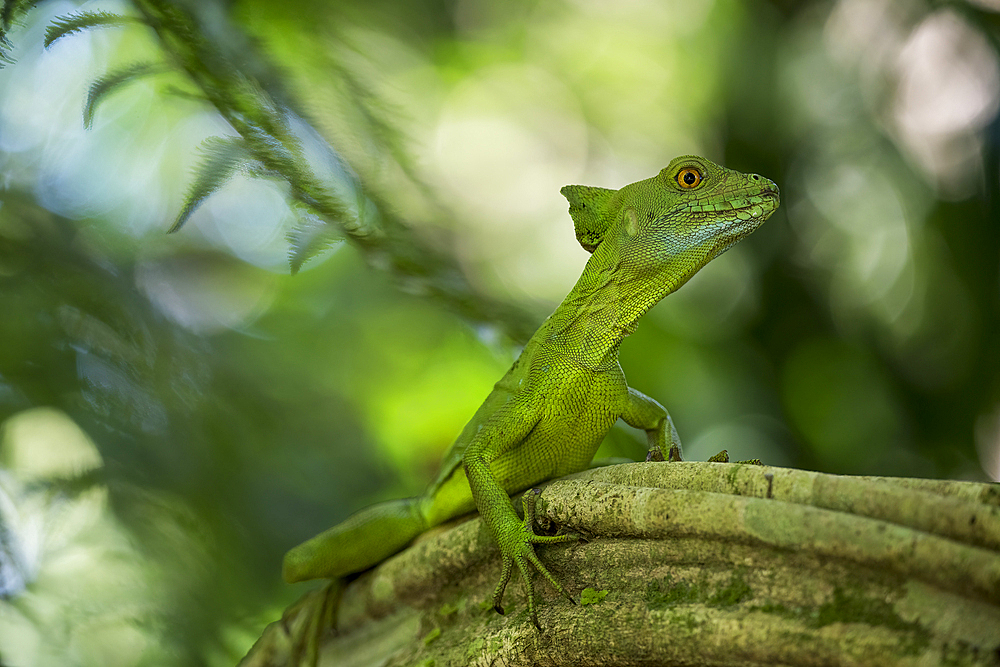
pixel 588 206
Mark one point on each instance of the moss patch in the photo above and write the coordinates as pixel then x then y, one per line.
pixel 733 593
pixel 663 594
pixel 475 649
pixel 846 608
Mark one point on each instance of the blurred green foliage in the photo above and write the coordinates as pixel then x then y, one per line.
pixel 177 410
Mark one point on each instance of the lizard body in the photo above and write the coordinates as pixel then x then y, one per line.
pixel 549 413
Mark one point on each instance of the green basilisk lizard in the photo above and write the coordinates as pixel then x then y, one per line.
pixel 546 417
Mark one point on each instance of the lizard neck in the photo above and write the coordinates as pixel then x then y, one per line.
pixel 600 311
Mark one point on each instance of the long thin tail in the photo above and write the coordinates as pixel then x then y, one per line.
pixel 366 538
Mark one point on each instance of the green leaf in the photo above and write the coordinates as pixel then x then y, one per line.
pixel 592 596
pixel 311 236
pixel 431 636
pixel 72 23
pixel 224 156
pixel 111 82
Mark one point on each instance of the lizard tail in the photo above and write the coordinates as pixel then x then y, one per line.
pixel 364 539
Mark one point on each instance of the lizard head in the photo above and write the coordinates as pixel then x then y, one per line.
pixel 673 224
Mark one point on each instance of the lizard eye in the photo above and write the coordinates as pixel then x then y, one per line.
pixel 689 177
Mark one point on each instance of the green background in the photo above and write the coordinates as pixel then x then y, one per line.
pixel 177 411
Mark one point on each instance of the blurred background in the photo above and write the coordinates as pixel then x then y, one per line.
pixel 178 410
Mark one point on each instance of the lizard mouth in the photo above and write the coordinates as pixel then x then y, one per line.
pixel 768 200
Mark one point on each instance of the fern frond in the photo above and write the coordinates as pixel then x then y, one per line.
pixel 311 236
pixel 5 47
pixel 273 152
pixel 12 10
pixel 224 156
pixel 193 96
pixel 73 23
pixel 111 82
pixel 10 13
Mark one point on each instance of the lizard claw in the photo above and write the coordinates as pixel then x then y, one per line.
pixel 655 454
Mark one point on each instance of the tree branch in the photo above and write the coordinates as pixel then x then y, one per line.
pixel 697 563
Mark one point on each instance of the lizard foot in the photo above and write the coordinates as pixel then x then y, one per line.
pixel 723 457
pixel 319 611
pixel 516 549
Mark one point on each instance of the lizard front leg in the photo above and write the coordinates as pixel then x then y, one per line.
pixel 643 412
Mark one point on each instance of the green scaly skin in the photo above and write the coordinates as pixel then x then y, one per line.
pixel 547 416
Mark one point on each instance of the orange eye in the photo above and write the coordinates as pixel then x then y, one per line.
pixel 689 177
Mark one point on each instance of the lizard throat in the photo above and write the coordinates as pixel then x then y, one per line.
pixel 593 320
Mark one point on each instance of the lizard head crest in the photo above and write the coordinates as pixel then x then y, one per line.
pixel 588 207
